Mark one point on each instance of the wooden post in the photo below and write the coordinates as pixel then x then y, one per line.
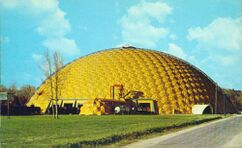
pixel 8 110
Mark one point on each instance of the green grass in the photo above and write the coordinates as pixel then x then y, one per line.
pixel 73 130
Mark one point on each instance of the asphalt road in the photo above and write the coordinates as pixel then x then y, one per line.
pixel 225 133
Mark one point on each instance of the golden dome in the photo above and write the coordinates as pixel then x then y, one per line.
pixel 173 83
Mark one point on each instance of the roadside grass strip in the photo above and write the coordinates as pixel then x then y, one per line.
pixel 80 131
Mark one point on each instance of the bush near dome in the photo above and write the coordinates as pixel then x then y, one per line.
pixel 173 85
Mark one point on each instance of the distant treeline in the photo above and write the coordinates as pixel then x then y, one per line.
pixel 18 96
pixel 235 96
pixel 24 93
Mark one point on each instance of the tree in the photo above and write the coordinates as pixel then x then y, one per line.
pixel 12 89
pixel 3 88
pixel 58 64
pixel 25 93
pixel 48 72
pixel 21 95
pixel 53 77
pixel 235 96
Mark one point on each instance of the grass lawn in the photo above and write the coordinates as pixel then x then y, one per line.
pixel 44 131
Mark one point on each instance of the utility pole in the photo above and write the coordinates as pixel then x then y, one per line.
pixel 225 97
pixel 216 98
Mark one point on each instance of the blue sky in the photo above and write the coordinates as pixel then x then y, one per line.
pixel 206 33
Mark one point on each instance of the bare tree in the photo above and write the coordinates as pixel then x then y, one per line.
pixel 58 64
pixel 48 72
pixel 25 93
pixel 53 77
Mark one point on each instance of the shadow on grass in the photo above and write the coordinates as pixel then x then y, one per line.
pixel 134 135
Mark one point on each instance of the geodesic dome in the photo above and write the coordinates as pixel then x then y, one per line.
pixel 175 84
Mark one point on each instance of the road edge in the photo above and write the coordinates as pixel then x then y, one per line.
pixel 153 141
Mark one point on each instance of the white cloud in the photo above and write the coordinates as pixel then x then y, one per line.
pixel 147 10
pixel 41 6
pixel 142 24
pixel 38 57
pixel 32 7
pixel 176 51
pixel 66 46
pixel 172 36
pixel 225 33
pixel 220 46
pixel 221 40
pixel 8 3
pixel 52 23
pixel 225 60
